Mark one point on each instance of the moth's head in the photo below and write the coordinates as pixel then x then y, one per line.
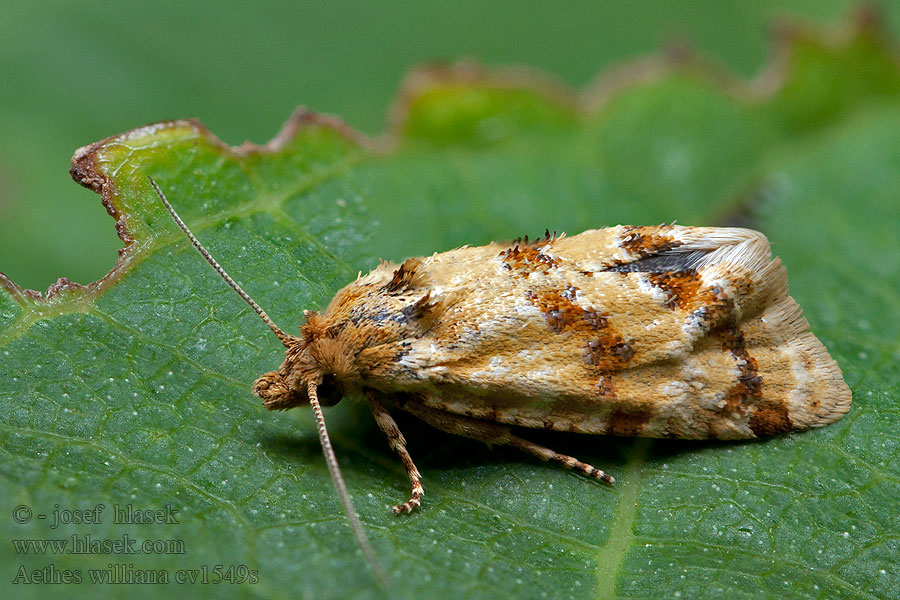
pixel 321 355
pixel 278 393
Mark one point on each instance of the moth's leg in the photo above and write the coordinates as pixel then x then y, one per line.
pixel 398 444
pixel 565 460
pixel 494 434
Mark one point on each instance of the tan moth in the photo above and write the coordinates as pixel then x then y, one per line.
pixel 666 331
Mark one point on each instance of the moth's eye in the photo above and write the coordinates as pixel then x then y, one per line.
pixel 330 391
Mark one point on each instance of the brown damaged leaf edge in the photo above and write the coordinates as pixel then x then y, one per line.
pixel 25 296
pixel 86 171
pixel 678 58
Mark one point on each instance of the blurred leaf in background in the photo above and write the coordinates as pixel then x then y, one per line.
pixel 135 389
pixel 73 73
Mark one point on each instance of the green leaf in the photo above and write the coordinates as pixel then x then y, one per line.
pixel 134 390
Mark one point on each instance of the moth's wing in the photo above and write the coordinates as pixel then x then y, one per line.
pixel 655 331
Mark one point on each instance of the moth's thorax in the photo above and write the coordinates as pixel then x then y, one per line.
pixel 366 325
pixel 359 334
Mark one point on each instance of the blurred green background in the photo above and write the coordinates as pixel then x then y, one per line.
pixel 73 73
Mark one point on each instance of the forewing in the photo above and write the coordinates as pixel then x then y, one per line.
pixel 655 331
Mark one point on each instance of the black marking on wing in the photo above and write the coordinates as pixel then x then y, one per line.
pixel 666 262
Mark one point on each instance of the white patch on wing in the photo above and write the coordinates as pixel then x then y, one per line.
pixel 658 295
pixel 693 374
pixel 539 374
pixel 798 397
pixel 527 310
pixel 652 324
pixel 676 350
pixel 676 389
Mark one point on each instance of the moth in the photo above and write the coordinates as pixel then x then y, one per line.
pixel 665 331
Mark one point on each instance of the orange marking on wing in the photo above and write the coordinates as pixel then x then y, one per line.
pixel 564 315
pixel 685 289
pixel 768 417
pixel 604 350
pixel 524 260
pixel 646 241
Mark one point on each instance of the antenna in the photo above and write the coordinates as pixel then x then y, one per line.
pixel 312 386
pixel 338 479
pixel 285 338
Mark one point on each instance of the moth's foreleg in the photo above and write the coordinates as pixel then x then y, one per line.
pixel 398 443
pixel 494 434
